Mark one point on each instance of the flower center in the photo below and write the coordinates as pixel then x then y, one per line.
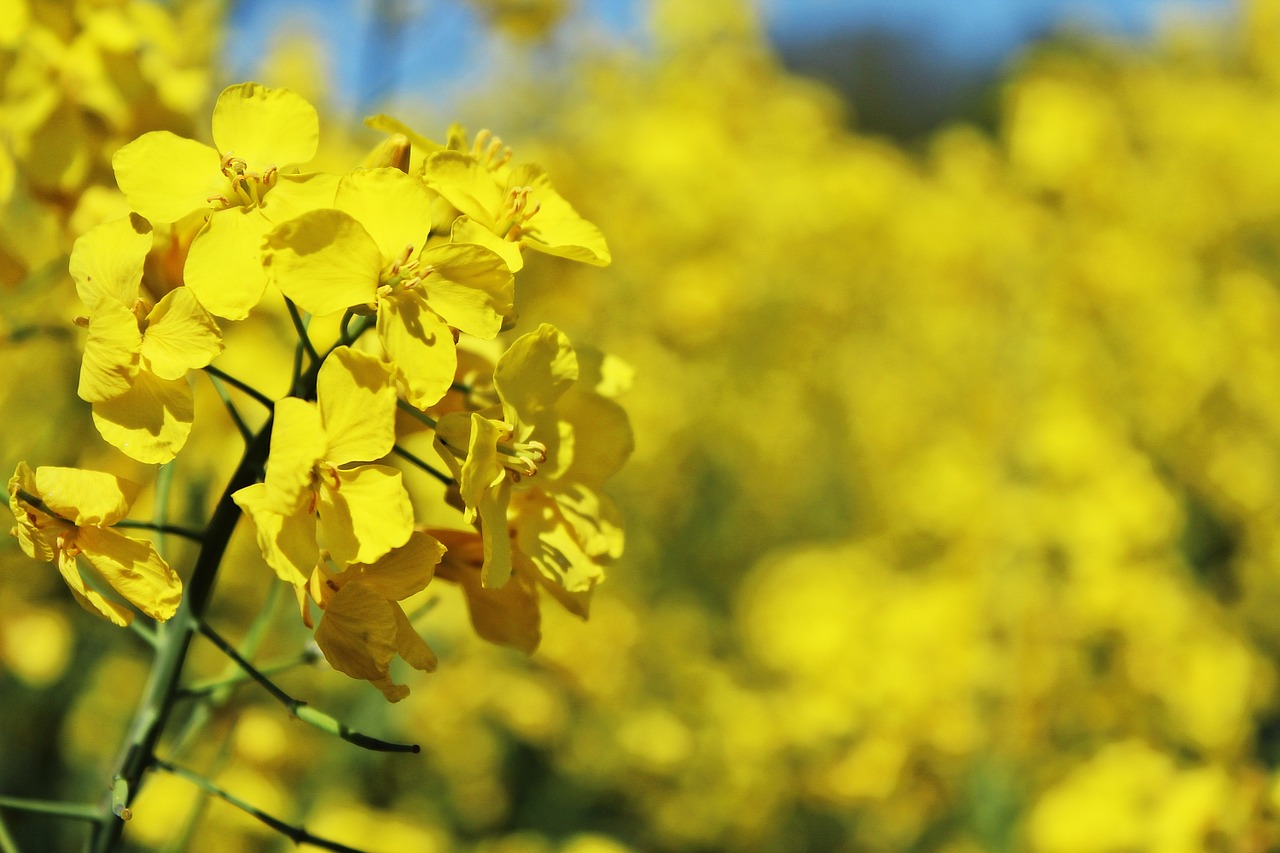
pixel 248 188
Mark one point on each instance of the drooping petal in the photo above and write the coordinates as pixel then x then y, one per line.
pixel 481 470
pixel 496 570
pixel 412 648
pixel 134 569
pixel 357 633
pixel 467 230
pixel 470 286
pixel 164 176
pixel 151 421
pixel 465 184
pixel 357 403
pixel 509 615
pixel 297 446
pixel 181 335
pixel 287 542
pixel 534 372
pixel 265 127
pixel 84 497
pixel 224 265
pixel 90 599
pixel 393 207
pixel 406 570
pixel 366 515
pixel 111 353
pixel 324 261
pixel 557 229
pixel 420 345
pixel 106 262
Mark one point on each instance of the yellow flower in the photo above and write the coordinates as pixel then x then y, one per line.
pixel 248 184
pixel 553 444
pixel 64 513
pixel 362 511
pixel 364 627
pixel 367 253
pixel 506 208
pixel 138 353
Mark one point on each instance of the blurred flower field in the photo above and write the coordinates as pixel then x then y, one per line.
pixel 953 521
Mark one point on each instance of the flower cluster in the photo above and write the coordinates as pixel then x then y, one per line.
pixel 417 259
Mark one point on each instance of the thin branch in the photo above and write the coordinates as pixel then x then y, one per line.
pixel 300 326
pixel 419 463
pixel 243 386
pixel 417 413
pixel 176 529
pixel 71 811
pixel 7 844
pixel 297 834
pixel 245 432
pixel 300 709
pixel 213 685
pixel 22 334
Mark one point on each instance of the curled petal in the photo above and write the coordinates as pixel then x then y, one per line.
pixel 90 599
pixel 84 497
pixel 358 633
pixel 134 569
pixel 405 570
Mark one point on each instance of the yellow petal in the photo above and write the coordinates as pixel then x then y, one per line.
pixel 496 535
pixel 294 195
pixel 297 446
pixel 557 229
pixel 224 265
pixel 393 207
pixel 106 262
pixel 406 570
pixel 481 470
pixel 387 124
pixel 467 230
pixel 265 127
pixel 471 287
pixel 535 371
pixel 548 539
pixel 358 633
pixel 134 569
pixel 420 345
pixel 367 515
pixel 151 421
pixel 594 519
pixel 287 543
pixel 412 648
pixel 466 185
pixel 111 353
pixel 90 599
pixel 84 497
pixel 180 335
pixel 603 440
pixel 164 177
pixel 509 615
pixel 357 407
pixel 324 261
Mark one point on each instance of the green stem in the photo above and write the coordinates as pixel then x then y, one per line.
pixel 300 326
pixel 215 685
pixel 161 527
pixel 72 811
pixel 24 333
pixel 297 834
pixel 243 386
pixel 347 337
pixel 417 413
pixel 300 709
pixel 420 463
pixel 245 432
pixel 7 844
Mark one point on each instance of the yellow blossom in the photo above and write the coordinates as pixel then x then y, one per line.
pixel 64 513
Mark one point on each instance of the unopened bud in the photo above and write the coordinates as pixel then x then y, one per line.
pixel 392 151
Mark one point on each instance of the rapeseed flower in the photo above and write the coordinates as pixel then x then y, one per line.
pixel 66 513
pixel 245 186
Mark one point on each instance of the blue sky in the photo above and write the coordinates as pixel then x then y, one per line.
pixel 439 47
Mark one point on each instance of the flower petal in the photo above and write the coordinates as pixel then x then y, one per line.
pixel 412 648
pixel 548 539
pixel 534 372
pixel 603 440
pixel 367 515
pixel 467 230
pixel 265 127
pixel 509 615
pixel 106 262
pixel 180 335
pixel 224 265
pixel 151 421
pixel 90 599
pixel 357 407
pixel 324 261
pixel 134 569
pixel 294 195
pixel 84 497
pixel 466 185
pixel 287 542
pixel 358 632
pixel 164 176
pixel 557 229
pixel 420 344
pixel 297 446
pixel 470 286
pixel 111 353
pixel 403 571
pixel 393 207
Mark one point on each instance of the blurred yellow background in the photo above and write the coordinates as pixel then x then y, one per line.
pixel 954 516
